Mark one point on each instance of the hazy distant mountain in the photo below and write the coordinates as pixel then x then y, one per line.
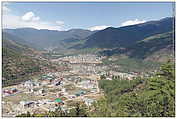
pixel 15 39
pixel 80 33
pixel 48 38
pixel 128 35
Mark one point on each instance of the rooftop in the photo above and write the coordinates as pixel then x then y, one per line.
pixel 58 100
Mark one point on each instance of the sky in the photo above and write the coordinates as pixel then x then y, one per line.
pixel 85 15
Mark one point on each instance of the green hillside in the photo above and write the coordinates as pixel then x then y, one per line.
pixel 128 35
pixel 150 45
pixel 156 48
pixel 16 64
pixel 142 97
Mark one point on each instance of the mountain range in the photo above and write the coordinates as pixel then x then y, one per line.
pixel 41 39
pixel 129 40
pixel 128 35
pixel 150 41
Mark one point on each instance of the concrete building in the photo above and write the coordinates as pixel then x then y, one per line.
pixel 88 101
pixel 29 84
pixel 27 104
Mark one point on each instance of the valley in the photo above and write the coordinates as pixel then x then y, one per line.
pixel 78 83
pixel 89 73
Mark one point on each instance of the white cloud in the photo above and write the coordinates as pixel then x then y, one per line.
pixel 5 8
pixel 5 3
pixel 30 16
pixel 60 22
pixel 36 18
pixel 132 22
pixel 29 20
pixel 98 27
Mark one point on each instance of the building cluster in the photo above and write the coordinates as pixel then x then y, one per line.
pixel 50 91
pixel 88 58
pixel 124 76
pixel 86 69
pixel 8 92
pixel 59 88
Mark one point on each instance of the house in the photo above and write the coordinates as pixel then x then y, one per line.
pixel 48 77
pixel 27 103
pixel 6 93
pixel 79 93
pixel 13 90
pixel 44 82
pixel 93 90
pixel 44 101
pixel 58 102
pixel 108 78
pixel 63 89
pixel 30 90
pixel 41 91
pixel 10 91
pixel 88 101
pixel 129 78
pixel 60 94
pixel 29 84
pixel 57 83
pixel 72 96
pixel 37 84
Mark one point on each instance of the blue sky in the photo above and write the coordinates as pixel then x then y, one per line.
pixel 94 16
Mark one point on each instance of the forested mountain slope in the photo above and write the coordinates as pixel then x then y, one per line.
pixel 159 47
pixel 16 62
pixel 128 35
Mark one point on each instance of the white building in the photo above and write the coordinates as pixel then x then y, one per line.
pixel 88 101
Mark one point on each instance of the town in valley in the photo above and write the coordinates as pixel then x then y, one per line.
pixel 45 92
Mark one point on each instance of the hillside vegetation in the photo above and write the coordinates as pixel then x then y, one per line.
pixel 128 35
pixel 131 65
pixel 150 45
pixel 16 63
pixel 156 48
pixel 154 96
pixel 16 66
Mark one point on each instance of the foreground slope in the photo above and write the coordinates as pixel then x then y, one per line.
pixel 153 96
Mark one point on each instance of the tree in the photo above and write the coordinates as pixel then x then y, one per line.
pixel 80 110
pixel 102 77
